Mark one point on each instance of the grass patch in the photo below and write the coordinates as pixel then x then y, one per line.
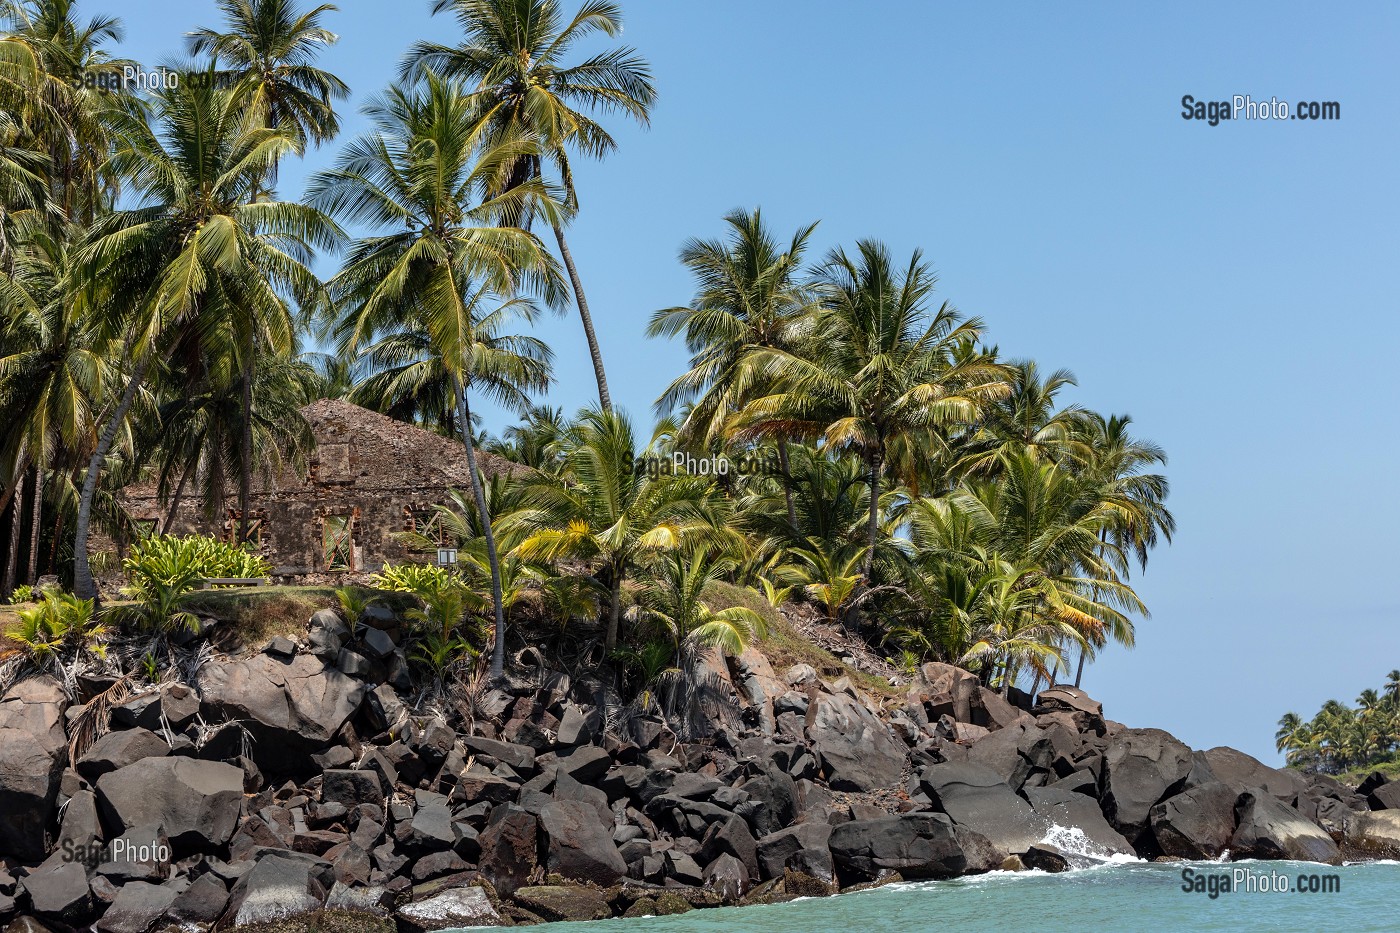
pixel 258 614
pixel 785 646
pixel 1391 769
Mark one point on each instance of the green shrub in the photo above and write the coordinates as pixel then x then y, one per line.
pixel 446 601
pixel 417 579
pixel 164 573
pixel 60 624
pixel 22 594
pixel 207 557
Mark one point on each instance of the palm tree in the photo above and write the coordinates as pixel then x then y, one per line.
pixel 441 271
pixel 1026 420
pixel 513 56
pixel 672 600
pixel 601 508
pixel 196 251
pixel 748 297
pixel 877 367
pixel 266 57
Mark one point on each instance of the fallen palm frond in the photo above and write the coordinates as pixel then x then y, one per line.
pixel 94 720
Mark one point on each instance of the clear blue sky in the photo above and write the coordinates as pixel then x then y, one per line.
pixel 1230 287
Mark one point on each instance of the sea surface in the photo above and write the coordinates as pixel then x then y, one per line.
pixel 1117 897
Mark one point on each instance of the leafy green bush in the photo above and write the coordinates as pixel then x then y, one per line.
pixel 208 558
pixel 446 602
pixel 413 578
pixel 164 573
pixel 62 623
pixel 22 594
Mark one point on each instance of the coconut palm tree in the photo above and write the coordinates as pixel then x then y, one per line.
pixel 672 601
pixel 876 367
pixel 196 250
pixel 749 296
pixel 437 266
pixel 602 509
pixel 513 58
pixel 1026 420
pixel 266 57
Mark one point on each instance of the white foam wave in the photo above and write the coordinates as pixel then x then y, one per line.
pixel 1081 851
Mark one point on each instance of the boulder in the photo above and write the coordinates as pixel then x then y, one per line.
pixel 1140 768
pixel 351 788
pixel 119 749
pixel 137 908
pixel 59 892
pixel 36 705
pixel 774 850
pixel 1270 830
pixel 508 848
pixel 1197 823
pixel 728 877
pixel 1385 797
pixel 974 796
pixel 519 757
pixel 938 678
pixel 990 711
pixel 1374 834
pixel 917 845
pixel 197 802
pixel 1244 772
pixel 758 685
pixel 30 771
pixel 578 846
pixel 858 751
pixel 204 901
pixel 1076 824
pixel 293 707
pixel 564 902
pixel 456 907
pixel 277 887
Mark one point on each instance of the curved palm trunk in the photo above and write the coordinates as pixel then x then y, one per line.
pixel 12 552
pixel 83 585
pixel 1079 674
pixel 175 501
pixel 498 647
pixel 35 525
pixel 9 493
pixel 604 399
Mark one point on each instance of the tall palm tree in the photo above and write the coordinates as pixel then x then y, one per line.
pixel 513 58
pixel 600 508
pixel 749 296
pixel 198 249
pixel 437 261
pixel 266 57
pixel 876 367
pixel 1026 420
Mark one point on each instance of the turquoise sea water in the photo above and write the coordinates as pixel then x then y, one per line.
pixel 1122 898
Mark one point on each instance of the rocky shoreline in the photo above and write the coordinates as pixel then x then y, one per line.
pixel 296 785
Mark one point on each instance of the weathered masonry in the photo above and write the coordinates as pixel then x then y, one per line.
pixel 369 478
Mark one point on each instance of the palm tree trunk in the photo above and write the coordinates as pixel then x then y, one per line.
pixel 877 462
pixel 175 500
pixel 83 585
pixel 245 448
pixel 614 607
pixel 787 482
pixel 12 554
pixel 1079 674
pixel 20 467
pixel 498 647
pixel 35 525
pixel 604 398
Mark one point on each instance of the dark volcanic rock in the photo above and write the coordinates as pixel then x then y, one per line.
pixel 564 902
pixel 1244 772
pixel 119 749
pixel 579 846
pixel 1197 823
pixel 858 751
pixel 351 788
pixel 1141 767
pixel 59 892
pixel 29 779
pixel 293 708
pixel 137 908
pixel 197 802
pixel 775 849
pixel 917 845
pixel 277 887
pixel 1270 830
pixel 508 848
pixel 455 907
pixel 1071 811
pixel 974 796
